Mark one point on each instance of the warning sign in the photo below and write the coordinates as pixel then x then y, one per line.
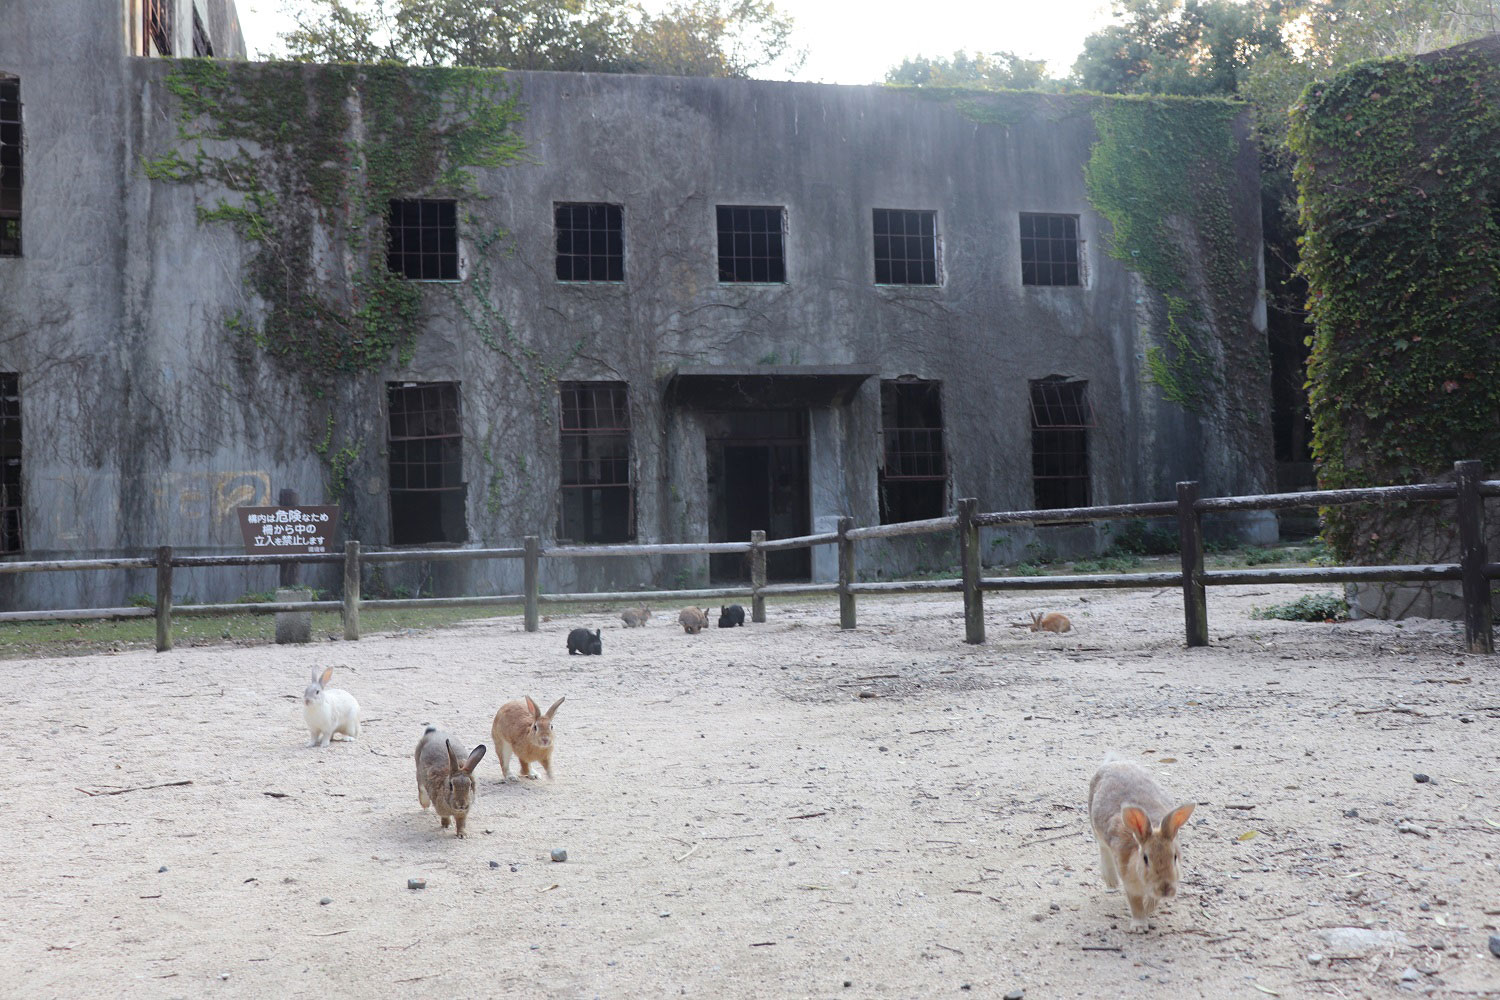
pixel 289 530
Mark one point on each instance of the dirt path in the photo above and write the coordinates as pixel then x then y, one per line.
pixel 740 822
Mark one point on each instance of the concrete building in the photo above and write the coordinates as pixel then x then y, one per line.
pixel 690 308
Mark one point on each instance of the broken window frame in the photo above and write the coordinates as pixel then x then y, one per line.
pixel 203 46
pixel 11 484
pixel 752 244
pixel 899 254
pixel 1061 418
pixel 424 445
pixel 1051 258
pixel 601 228
pixel 422 238
pixel 596 483
pixel 11 153
pixel 914 461
pixel 156 27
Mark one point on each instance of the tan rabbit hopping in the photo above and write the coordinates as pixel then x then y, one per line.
pixel 636 617
pixel 1052 621
pixel 692 620
pixel 443 782
pixel 522 729
pixel 1136 824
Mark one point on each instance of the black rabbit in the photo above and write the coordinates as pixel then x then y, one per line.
pixel 731 616
pixel 581 640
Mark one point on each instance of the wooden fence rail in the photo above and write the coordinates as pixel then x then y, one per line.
pixel 1474 570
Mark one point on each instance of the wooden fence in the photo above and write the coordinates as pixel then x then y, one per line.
pixel 1474 569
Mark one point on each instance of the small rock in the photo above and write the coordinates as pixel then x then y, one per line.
pixel 161 869
pixel 1314 958
pixel 868 694
pixel 558 854
pixel 1053 907
pixel 325 900
pixel 1355 940
pixel 496 864
pixel 1015 995
pixel 848 983
pixel 1421 778
pixel 1495 945
pixel 416 883
pixel 224 976
pixel 514 868
pixel 664 913
pixel 1351 813
pixel 1410 975
pixel 1424 907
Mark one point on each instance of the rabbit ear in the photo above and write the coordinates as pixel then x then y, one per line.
pixel 1175 819
pixel 314 679
pixel 326 674
pixel 474 759
pixel 452 760
pixel 536 713
pixel 553 710
pixel 1137 822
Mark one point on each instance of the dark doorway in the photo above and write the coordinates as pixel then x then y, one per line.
pixel 758 479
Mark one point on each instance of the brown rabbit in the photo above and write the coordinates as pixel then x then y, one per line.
pixel 1136 825
pixel 636 617
pixel 693 620
pixel 442 781
pixel 522 729
pixel 1052 621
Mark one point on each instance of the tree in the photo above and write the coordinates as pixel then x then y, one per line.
pixel 996 71
pixel 690 37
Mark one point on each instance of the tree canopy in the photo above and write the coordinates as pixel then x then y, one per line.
pixel 994 71
pixel 688 38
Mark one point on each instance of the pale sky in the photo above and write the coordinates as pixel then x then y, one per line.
pixel 856 41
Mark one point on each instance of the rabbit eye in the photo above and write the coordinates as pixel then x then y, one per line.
pixel 1147 859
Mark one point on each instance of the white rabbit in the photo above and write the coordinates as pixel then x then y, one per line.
pixel 328 711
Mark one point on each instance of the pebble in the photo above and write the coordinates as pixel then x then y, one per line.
pixel 1424 907
pixel 325 900
pixel 664 913
pixel 161 869
pixel 1421 778
pixel 558 854
pixel 1015 995
pixel 868 694
pixel 1495 945
pixel 1410 975
pixel 514 868
pixel 496 864
pixel 848 983
pixel 1314 958
pixel 416 883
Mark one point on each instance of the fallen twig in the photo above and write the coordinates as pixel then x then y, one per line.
pixel 135 788
pixel 946 948
pixel 809 815
pixel 684 857
pixel 876 677
pixel 1048 840
pixel 1246 808
pixel 1102 947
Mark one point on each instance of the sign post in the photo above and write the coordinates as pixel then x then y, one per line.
pixel 290 529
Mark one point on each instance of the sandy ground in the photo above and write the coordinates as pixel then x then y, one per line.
pixel 741 822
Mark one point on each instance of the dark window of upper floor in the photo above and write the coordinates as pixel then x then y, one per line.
pixel 598 498
pixel 156 27
pixel 752 243
pixel 10 166
pixel 1061 419
pixel 1049 250
pixel 425 442
pixel 590 242
pixel 914 475
pixel 10 462
pixel 905 247
pixel 202 45
pixel 422 239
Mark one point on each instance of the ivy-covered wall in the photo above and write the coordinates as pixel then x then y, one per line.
pixel 1399 182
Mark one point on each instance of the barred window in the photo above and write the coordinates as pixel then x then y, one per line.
pixel 752 244
pixel 10 166
pixel 1061 419
pixel 10 462
pixel 590 242
pixel 905 247
pixel 598 498
pixel 202 46
pixel 914 477
pixel 156 27
pixel 425 444
pixel 1049 250
pixel 422 239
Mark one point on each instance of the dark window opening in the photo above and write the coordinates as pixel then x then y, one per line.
pixel 10 167
pixel 1061 419
pixel 1049 249
pixel 426 464
pixel 758 480
pixel 10 462
pixel 156 16
pixel 905 247
pixel 590 242
pixel 752 244
pixel 202 47
pixel 914 478
pixel 422 239
pixel 598 500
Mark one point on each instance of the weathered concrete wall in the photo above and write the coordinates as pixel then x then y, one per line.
pixel 147 422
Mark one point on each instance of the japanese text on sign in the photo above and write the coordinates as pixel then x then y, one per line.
pixel 288 529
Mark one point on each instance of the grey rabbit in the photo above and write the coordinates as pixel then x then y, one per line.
pixel 581 640
pixel 731 616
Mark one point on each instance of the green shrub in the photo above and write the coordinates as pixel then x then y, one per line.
pixel 1307 608
pixel 1140 539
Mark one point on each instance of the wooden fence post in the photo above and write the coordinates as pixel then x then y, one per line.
pixel 531 560
pixel 846 574
pixel 164 598
pixel 289 574
pixel 757 577
pixel 1479 630
pixel 351 591
pixel 1190 537
pixel 968 559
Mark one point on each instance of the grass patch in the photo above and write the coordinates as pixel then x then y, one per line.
pixel 1326 607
